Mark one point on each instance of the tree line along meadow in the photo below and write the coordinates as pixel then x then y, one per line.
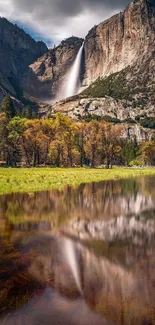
pixel 59 141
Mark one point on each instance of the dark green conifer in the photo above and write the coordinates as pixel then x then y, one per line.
pixel 7 107
pixel 28 112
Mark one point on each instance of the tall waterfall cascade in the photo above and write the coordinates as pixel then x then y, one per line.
pixel 73 83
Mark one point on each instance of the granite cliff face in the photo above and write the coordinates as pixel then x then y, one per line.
pixel 117 72
pixel 120 41
pixel 46 76
pixel 119 51
pixel 18 51
pixel 120 59
pixel 119 109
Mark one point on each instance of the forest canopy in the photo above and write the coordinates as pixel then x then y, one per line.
pixel 61 141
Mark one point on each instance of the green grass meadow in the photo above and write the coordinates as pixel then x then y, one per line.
pixel 40 179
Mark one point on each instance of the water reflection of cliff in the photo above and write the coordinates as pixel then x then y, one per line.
pixel 82 256
pixel 93 201
pixel 138 229
pixel 119 292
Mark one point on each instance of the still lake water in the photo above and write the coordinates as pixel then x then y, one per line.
pixel 79 256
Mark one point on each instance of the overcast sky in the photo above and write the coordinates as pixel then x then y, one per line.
pixel 54 20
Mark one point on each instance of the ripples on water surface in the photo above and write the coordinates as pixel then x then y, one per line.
pixel 82 255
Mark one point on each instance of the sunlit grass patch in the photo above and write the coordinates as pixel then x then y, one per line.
pixel 39 179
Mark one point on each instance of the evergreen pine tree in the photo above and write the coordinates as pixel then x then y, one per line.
pixel 7 107
pixel 28 112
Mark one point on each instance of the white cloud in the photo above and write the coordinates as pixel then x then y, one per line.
pixel 51 20
pixel 6 8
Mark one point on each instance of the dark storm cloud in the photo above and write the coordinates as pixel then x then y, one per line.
pixel 59 19
pixel 66 8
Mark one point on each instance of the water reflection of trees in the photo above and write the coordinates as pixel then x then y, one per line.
pixel 96 200
pixel 17 286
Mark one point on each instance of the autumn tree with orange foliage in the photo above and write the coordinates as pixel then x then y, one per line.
pixel 63 142
pixel 110 143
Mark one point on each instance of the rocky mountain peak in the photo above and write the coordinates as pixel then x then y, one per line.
pixel 15 37
pixel 18 51
pixel 72 41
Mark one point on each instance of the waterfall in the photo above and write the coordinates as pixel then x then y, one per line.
pixel 73 84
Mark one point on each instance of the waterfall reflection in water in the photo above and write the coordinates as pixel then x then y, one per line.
pixel 43 272
pixel 71 257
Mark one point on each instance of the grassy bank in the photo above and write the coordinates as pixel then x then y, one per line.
pixel 35 179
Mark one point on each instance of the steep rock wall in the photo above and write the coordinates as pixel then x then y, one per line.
pixel 17 51
pixel 120 41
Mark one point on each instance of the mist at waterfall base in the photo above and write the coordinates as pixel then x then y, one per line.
pixel 72 81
